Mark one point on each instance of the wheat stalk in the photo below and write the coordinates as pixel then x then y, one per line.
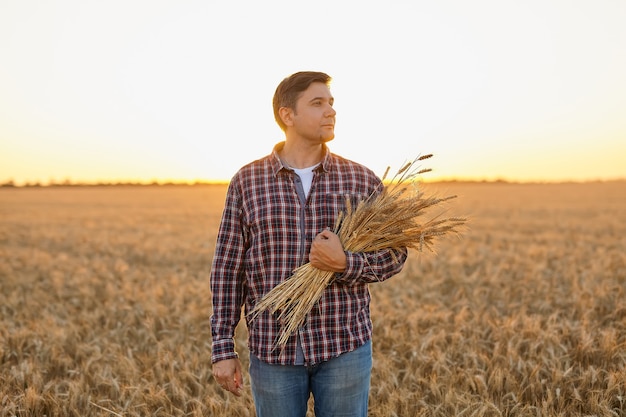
pixel 389 220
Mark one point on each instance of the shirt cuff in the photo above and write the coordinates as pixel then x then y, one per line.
pixel 222 350
pixel 354 269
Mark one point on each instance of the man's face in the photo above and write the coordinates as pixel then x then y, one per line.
pixel 314 117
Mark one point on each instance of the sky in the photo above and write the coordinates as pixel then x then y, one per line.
pixel 153 90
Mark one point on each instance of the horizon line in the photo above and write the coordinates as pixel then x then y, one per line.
pixel 112 183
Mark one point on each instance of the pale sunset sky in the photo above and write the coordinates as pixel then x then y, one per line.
pixel 149 90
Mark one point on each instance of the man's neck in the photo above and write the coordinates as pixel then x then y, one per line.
pixel 302 156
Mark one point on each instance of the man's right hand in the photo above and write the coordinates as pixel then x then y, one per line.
pixel 228 375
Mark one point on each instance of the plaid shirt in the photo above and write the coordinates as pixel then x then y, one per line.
pixel 266 233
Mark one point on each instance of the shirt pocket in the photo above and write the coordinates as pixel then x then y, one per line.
pixel 336 203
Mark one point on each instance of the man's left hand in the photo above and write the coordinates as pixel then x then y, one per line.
pixel 327 252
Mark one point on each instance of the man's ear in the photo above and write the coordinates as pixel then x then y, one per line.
pixel 285 114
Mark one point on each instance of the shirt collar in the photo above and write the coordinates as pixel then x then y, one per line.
pixel 278 164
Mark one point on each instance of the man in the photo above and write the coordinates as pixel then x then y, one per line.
pixel 278 215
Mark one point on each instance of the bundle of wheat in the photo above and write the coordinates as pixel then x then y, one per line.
pixel 388 220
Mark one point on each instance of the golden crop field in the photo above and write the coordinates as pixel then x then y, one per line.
pixel 105 305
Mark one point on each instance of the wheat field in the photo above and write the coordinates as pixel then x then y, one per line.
pixel 105 304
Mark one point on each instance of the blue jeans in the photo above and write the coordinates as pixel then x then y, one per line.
pixel 340 386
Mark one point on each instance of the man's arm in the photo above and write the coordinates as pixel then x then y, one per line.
pixel 227 279
pixel 327 254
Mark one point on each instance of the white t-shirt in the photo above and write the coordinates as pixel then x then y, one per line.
pixel 306 176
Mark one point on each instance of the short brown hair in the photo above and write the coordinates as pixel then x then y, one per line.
pixel 289 90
